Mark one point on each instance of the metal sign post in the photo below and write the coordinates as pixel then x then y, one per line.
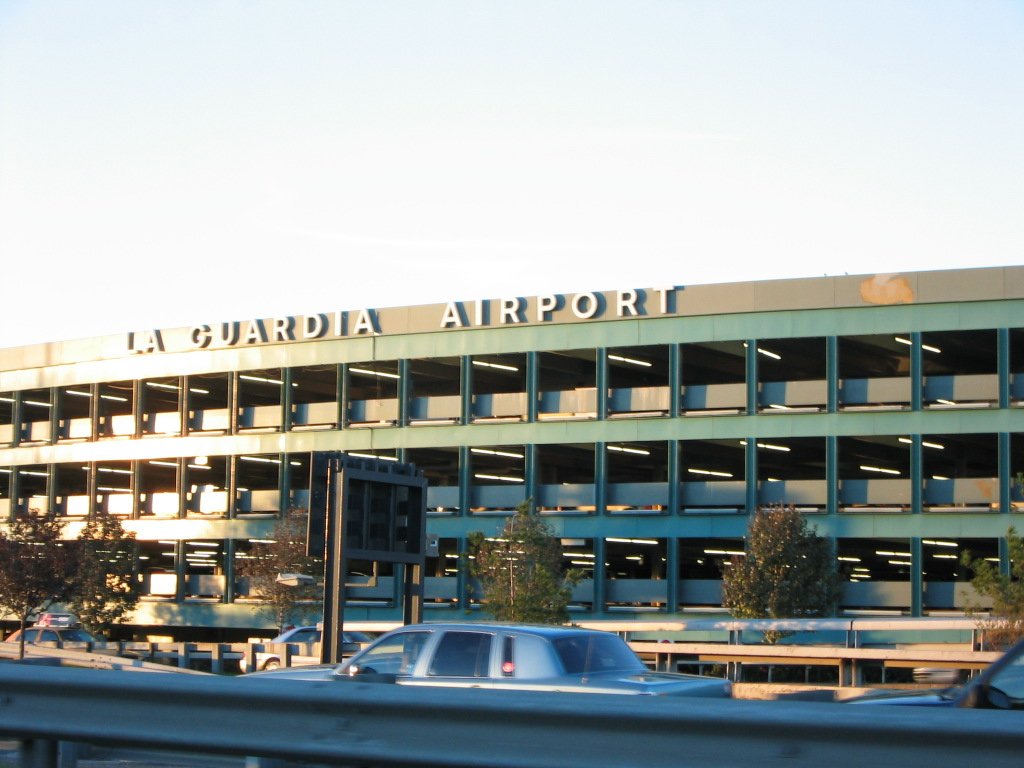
pixel 366 510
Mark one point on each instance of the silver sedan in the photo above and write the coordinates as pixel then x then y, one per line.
pixel 509 657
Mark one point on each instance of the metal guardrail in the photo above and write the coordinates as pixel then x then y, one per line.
pixel 848 661
pixel 375 724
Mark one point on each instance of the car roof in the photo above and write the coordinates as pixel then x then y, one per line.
pixel 544 630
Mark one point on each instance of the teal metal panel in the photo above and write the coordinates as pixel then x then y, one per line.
pixel 600 477
pixel 832 373
pixel 1005 468
pixel 916 473
pixel 916 578
pixel 1003 366
pixel 832 474
pixel 750 462
pixel 751 375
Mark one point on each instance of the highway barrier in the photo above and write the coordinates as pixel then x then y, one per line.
pixel 377 724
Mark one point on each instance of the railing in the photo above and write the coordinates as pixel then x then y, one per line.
pixel 348 722
pixel 664 644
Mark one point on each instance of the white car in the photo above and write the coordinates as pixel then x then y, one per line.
pixel 266 660
pixel 509 657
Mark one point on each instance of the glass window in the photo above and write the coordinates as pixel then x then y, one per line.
pixel 393 654
pixel 461 654
pixel 585 653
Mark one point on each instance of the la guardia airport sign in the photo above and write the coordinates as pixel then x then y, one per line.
pixel 538 310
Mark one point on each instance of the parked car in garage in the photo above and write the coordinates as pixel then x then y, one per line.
pixel 999 686
pixel 266 660
pixel 508 657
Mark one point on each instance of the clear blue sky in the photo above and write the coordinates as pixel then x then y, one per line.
pixel 171 163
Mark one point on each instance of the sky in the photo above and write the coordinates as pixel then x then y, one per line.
pixel 166 164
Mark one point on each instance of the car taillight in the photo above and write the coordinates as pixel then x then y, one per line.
pixel 508 663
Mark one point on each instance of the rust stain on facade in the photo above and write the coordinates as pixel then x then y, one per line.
pixel 886 289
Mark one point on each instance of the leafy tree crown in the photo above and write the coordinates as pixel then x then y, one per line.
pixel 520 571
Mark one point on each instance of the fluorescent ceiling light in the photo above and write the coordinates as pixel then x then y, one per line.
pixel 261 379
pixel 708 472
pixel 630 360
pixel 769 446
pixel 503 478
pixel 883 470
pixel 924 443
pixel 372 456
pixel 626 449
pixel 490 452
pixel 498 366
pixel 633 541
pixel 368 372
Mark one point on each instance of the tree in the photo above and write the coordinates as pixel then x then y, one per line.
pixel 106 586
pixel 285 552
pixel 1005 625
pixel 520 571
pixel 35 568
pixel 788 571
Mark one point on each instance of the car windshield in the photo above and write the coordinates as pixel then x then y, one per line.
pixel 582 654
pixel 76 636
